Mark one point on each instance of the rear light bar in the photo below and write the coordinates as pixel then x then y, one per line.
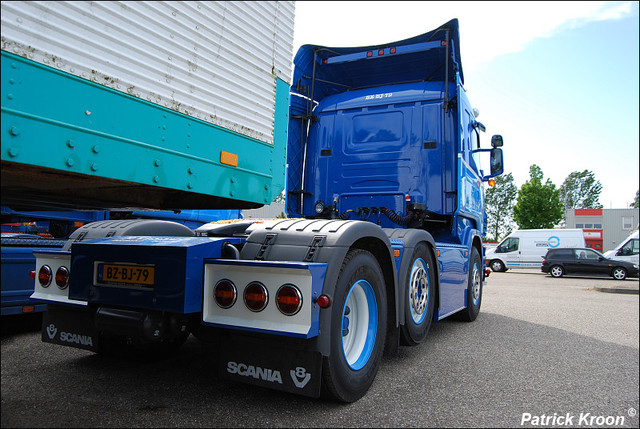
pixel 256 297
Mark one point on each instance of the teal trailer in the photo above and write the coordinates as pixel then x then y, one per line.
pixel 154 105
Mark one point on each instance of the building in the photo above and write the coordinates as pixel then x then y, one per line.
pixel 603 229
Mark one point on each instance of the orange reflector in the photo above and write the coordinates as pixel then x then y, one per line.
pixel 492 182
pixel 28 309
pixel 396 253
pixel 228 158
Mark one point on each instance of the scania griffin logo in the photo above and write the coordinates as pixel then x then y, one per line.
pixel 69 337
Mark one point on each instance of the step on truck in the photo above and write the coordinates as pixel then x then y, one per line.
pixel 385 205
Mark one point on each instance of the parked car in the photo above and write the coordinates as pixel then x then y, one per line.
pixel 559 262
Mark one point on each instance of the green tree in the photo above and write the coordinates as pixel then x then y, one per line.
pixel 636 203
pixel 538 205
pixel 499 201
pixel 581 190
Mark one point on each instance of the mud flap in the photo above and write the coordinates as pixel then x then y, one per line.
pixel 294 371
pixel 70 327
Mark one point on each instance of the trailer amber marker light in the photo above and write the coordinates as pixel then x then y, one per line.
pixel 228 158
pixel 288 299
pixel 45 275
pixel 225 293
pixel 256 296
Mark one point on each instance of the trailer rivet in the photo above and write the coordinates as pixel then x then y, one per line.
pixel 13 152
pixel 189 185
pixel 94 167
pixel 155 179
pixel 156 163
pixel 10 96
pixel 71 144
pixel 190 171
pixel 95 149
pixel 15 131
pixel 69 162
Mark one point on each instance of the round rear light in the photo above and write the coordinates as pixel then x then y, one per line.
pixel 45 275
pixel 62 277
pixel 288 300
pixel 256 296
pixel 225 293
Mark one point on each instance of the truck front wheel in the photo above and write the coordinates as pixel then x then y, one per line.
pixel 358 328
pixel 420 301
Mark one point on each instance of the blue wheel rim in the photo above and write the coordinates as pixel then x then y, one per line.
pixel 359 324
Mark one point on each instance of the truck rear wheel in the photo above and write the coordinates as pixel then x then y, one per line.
pixel 420 301
pixel 474 289
pixel 358 328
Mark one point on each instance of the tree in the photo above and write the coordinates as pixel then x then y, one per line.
pixel 499 202
pixel 636 203
pixel 581 190
pixel 538 205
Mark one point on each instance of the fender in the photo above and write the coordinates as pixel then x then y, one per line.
pixel 315 240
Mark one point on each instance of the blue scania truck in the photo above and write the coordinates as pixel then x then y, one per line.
pixel 385 205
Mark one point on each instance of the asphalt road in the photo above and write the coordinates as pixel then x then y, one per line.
pixel 541 348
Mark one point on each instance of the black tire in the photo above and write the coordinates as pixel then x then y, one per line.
pixel 355 354
pixel 619 273
pixel 556 271
pixel 420 300
pixel 497 266
pixel 474 289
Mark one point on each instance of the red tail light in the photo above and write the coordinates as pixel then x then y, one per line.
pixel 225 293
pixel 256 296
pixel 62 277
pixel 45 275
pixel 288 300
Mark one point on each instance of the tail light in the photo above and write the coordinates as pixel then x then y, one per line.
pixel 544 261
pixel 288 300
pixel 225 293
pixel 45 275
pixel 62 277
pixel 256 296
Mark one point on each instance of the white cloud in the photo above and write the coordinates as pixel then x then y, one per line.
pixel 488 29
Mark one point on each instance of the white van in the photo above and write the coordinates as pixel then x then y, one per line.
pixel 627 250
pixel 525 248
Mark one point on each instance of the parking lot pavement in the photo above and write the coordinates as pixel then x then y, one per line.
pixel 540 346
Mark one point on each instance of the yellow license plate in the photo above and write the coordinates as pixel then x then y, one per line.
pixel 130 274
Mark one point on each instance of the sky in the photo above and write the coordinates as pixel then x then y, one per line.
pixel 558 80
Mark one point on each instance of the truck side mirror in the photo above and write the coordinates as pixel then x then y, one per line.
pixel 496 162
pixel 496 141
